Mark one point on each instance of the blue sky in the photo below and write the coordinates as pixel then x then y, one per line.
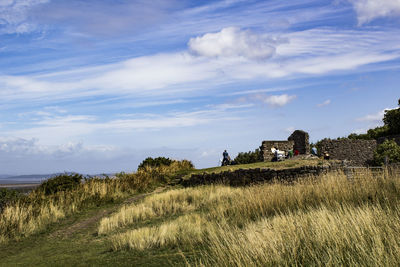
pixel 97 86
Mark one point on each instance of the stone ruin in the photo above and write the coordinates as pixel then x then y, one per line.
pixel 301 141
pixel 358 152
pixel 298 140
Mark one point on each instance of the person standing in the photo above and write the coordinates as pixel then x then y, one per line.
pixel 225 158
pixel 314 151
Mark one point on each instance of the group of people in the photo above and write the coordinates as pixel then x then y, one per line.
pixel 279 155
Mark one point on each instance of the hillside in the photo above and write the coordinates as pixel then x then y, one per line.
pixel 329 220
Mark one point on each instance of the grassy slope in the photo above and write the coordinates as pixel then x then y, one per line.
pixel 82 248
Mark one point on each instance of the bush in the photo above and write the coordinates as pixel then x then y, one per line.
pixel 390 150
pixel 63 182
pixel 8 196
pixel 148 176
pixel 249 157
pixel 156 162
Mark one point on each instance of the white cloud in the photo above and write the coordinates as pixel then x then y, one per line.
pixel 56 128
pixel 323 104
pixel 270 100
pixel 313 52
pixel 368 10
pixel 233 42
pixel 290 129
pixel 373 118
pixel 278 100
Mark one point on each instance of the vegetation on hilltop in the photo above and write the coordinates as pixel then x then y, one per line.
pixel 249 157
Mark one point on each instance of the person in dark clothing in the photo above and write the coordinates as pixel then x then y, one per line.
pixel 226 159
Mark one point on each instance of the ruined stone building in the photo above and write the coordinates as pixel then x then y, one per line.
pixel 298 140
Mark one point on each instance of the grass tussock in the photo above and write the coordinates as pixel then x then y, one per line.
pixel 37 210
pixel 169 203
pixel 362 236
pixel 187 230
pixel 329 221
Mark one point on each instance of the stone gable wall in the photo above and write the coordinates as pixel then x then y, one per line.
pixel 358 152
pixel 301 141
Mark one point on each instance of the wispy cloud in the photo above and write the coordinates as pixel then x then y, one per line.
pixel 373 118
pixel 325 103
pixel 368 10
pixel 56 127
pixel 313 52
pixel 14 16
pixel 103 18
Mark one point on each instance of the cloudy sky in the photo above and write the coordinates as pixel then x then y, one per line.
pixel 96 86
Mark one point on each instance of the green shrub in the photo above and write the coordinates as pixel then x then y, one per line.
pixel 8 196
pixel 62 182
pixel 249 157
pixel 390 150
pixel 156 162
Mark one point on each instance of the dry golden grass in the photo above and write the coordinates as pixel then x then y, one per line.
pixel 169 203
pixel 187 230
pixel 362 236
pixel 34 213
pixel 330 221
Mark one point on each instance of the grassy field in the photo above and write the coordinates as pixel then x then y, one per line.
pixel 325 221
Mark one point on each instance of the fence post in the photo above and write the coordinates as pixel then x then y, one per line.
pixel 347 170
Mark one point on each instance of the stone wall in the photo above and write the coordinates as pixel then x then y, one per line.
pixel 358 152
pixel 301 141
pixel 281 145
pixel 396 138
pixel 243 177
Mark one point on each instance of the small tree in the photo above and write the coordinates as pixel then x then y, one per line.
pixel 62 182
pixel 388 149
pixel 156 162
pixel 249 157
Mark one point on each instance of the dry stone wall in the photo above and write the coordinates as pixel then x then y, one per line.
pixel 358 152
pixel 244 177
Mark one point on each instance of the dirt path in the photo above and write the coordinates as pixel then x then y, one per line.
pixel 88 222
